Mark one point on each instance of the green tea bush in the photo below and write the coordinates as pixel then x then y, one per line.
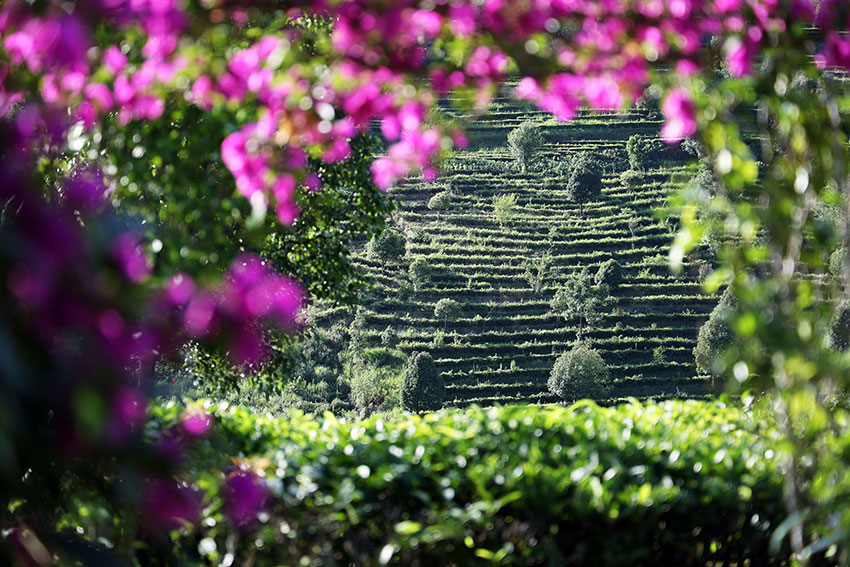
pixel 579 373
pixel 610 273
pixel 674 483
pixel 423 388
pixel 524 142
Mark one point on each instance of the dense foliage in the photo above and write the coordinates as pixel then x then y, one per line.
pixel 679 483
pixel 579 373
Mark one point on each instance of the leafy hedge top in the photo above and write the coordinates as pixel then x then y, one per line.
pixel 678 482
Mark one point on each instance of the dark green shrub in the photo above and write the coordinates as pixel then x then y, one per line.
pixel 839 328
pixel 579 373
pixel 610 273
pixel 422 388
pixel 388 247
pixel 585 181
pixel 447 309
pixel 524 142
pixel 715 336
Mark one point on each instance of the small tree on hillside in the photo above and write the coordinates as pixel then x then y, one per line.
pixel 536 270
pixel 638 148
pixel 581 299
pixel 715 336
pixel 419 273
pixel 579 373
pixel 524 142
pixel 839 328
pixel 504 208
pixel 441 201
pixel 422 388
pixel 388 247
pixel 585 181
pixel 447 309
pixel 610 273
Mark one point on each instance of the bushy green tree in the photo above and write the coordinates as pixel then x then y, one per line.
pixel 585 181
pixel 446 309
pixel 524 142
pixel 579 373
pixel 440 202
pixel 422 388
pixel 580 298
pixel 715 336
pixel 419 272
pixel 388 247
pixel 638 148
pixel 610 273
pixel 504 208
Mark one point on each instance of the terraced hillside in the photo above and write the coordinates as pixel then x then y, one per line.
pixel 503 345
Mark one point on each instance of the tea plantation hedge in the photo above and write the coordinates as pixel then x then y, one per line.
pixel 670 483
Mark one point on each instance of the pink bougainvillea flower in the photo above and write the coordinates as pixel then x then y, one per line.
pixel 244 498
pixel 166 505
pixel 195 422
pixel 679 116
pixel 114 60
pixel 127 251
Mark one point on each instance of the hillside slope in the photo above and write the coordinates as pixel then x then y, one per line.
pixel 502 347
